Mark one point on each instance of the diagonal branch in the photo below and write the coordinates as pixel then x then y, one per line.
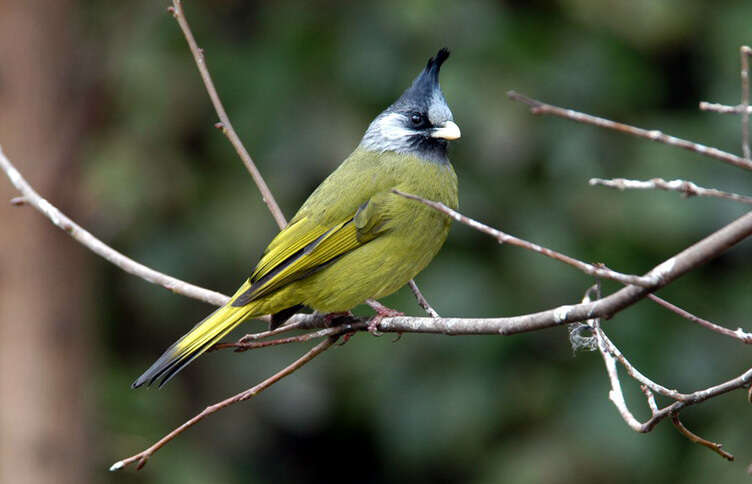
pixel 715 447
pixel 31 197
pixel 687 188
pixel 539 107
pixel 505 238
pixel 611 354
pixel 422 300
pixel 739 334
pixel 198 55
pixel 143 457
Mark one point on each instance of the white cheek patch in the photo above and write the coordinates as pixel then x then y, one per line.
pixel 388 133
pixel 392 126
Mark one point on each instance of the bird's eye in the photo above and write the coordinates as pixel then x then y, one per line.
pixel 416 119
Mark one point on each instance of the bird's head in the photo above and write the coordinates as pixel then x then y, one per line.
pixel 419 122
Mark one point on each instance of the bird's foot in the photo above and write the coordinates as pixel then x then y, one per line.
pixel 381 313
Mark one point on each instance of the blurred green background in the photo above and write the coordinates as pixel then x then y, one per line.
pixel 102 108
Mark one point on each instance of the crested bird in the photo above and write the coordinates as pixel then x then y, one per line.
pixel 353 238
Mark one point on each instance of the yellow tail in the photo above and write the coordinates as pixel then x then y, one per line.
pixel 199 339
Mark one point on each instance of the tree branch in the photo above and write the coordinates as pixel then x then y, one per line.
pixel 82 236
pixel 539 107
pixel 739 334
pixel 505 238
pixel 143 457
pixel 198 55
pixel 745 53
pixel 422 300
pixel 687 188
pixel 611 354
pixel 699 440
pixel 724 108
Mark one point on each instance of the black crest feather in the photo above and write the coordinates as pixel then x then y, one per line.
pixel 438 59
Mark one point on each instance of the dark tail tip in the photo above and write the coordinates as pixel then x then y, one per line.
pixel 164 368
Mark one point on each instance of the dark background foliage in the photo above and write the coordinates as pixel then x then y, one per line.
pixel 301 81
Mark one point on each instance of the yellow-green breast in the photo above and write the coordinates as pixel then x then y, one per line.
pixel 410 234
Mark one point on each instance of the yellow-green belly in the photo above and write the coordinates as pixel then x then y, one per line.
pixel 378 268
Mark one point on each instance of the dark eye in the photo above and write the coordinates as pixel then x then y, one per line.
pixel 417 119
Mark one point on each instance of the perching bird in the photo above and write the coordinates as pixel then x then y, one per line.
pixel 353 239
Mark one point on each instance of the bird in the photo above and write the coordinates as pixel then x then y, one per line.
pixel 354 238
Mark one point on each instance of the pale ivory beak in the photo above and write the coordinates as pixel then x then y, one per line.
pixel 448 131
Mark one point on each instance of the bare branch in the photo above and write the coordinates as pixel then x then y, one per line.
pixel 198 55
pixel 143 457
pixel 322 333
pixel 505 238
pixel 724 108
pixel 739 334
pixel 609 346
pixel 687 188
pixel 699 440
pixel 422 300
pixel 539 107
pixel 745 53
pixel 127 264
pixel 651 398
pixel 611 354
pixel 615 395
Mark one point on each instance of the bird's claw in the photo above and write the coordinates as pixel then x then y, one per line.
pixel 381 313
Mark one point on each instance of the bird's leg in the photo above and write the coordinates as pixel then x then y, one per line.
pixel 381 313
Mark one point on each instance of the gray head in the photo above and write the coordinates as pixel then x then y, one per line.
pixel 419 122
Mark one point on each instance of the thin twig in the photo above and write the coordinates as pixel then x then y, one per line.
pixel 505 238
pixel 143 457
pixel 739 334
pixel 322 333
pixel 637 375
pixel 724 108
pixel 745 53
pixel 292 324
pixel 699 440
pixel 611 354
pixel 615 395
pixel 687 188
pixel 127 264
pixel 198 55
pixel 651 398
pixel 422 300
pixel 697 397
pixel 539 107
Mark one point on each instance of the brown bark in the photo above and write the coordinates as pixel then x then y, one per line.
pixel 43 296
